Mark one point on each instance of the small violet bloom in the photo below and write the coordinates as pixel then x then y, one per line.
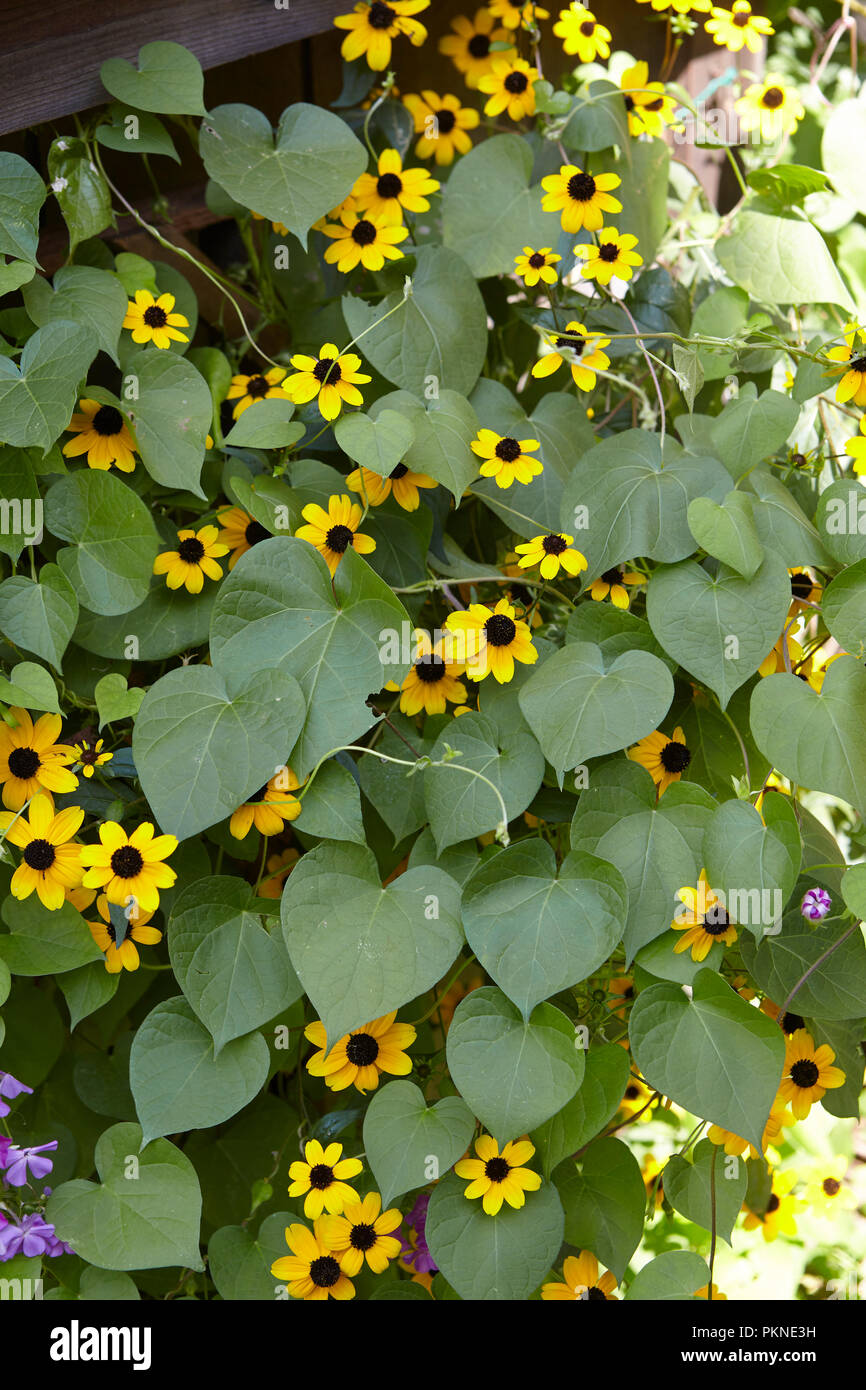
pixel 9 1089
pixel 30 1236
pixel 18 1161
pixel 816 904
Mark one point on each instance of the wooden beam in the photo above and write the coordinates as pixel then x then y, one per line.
pixel 50 55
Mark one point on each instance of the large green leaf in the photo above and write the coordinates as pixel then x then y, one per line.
pixel 377 444
pixel 168 79
pixel 603 1087
pixel 22 193
pixel 361 950
pixel 489 211
pixel 37 397
pixel 80 189
pixel 841 520
pixel 133 132
pixel 597 120
pixel 112 539
pixel 170 419
pixel 512 1072
pixel 167 622
pixel 295 179
pixel 750 428
pixel 407 1141
pixel 460 805
pixel 843 608
pixel 204 742
pixel 278 607
pixel 240 1263
pixel 604 1200
pixel 754 860
pixel 831 991
pixel 781 260
pixel 43 942
pixel 234 972
pixel 728 532
pixel 708 1188
pixel 94 299
pixel 782 524
pixel 675 1275
pixel 120 1223
pixel 19 500
pixel 442 436
pixel 537 931
pixel 711 1053
pixel 40 617
pixel 332 806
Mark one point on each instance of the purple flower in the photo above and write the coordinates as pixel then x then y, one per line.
pixel 18 1161
pixel 816 904
pixel 5 1146
pixel 9 1089
pixel 33 1235
pixel 415 1254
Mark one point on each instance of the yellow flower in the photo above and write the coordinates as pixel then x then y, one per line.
pixel 650 1169
pixel 311 1271
pixel 88 756
pixel 778 1219
pixel 279 866
pixel 359 1058
pixel 789 1024
pixel 825 1190
pixel 372 27
pixel 581 349
pixel 31 760
pixel 736 1146
pixel 611 582
pixel 679 6
pixel 649 108
pixel 581 1282
pixel 510 85
pixel 513 16
pixel 703 1292
pixel 442 124
pixel 856 447
pixel 394 188
pixel 362 1233
pixel 276 226
pixel 738 27
pixel 703 919
pixel 809 1072
pixel 401 481
pixel 499 1177
pixel 368 241
pixel 665 759
pixel 533 266
pixel 506 459
pixel 581 198
pixel 239 532
pixel 261 386
pixel 432 679
pixel 349 204
pixel 551 553
pixel 103 436
pixel 124 956
pixel 269 808
pixel 320 1178
pixel 195 557
pixel 492 640
pixel 582 34
pixel 613 255
pixel 152 320
pixel 129 867
pixel 333 377
pixel 49 864
pixel 636 1097
pixel 334 530
pixel 470 44
pixel 852 387
pixel 770 108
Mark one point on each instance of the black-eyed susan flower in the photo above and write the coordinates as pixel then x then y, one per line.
pixel 805 589
pixel 551 553
pixel 665 759
pixel 499 1177
pixel 81 898
pixel 782 1207
pixel 582 199
pixel 239 532
pixel 678 6
pixel 856 447
pixel 510 87
pixel 90 755
pixel 648 107
pixel 311 1272
pixel 738 28
pixel 31 759
pixel 401 482
pixel 432 679
pixel 703 919
pixel 103 435
pixel 332 379
pixel 581 349
pixel 442 123
pixel 359 1058
pixel 363 1232
pixel 194 560
pixel 852 354
pixel 491 640
pixel 507 459
pixel 514 16
pixel 269 808
pixel 533 266
pixel 775 661
pixel 581 1282
pixel 129 867
pixel 469 46
pixel 825 1191
pixel 581 34
pixel 809 1072
pixel 613 582
pixel 736 1146
pixel 50 864
pixel 332 532
pixel 650 1169
pixel 393 188
pixel 373 27
pixel 613 255
pixel 621 990
pixel 770 107
pixel 321 1179
pixel 245 390
pixel 278 867
pixel 153 320
pixel 138 933
pixel 636 1098
pixel 789 1023
pixel 369 241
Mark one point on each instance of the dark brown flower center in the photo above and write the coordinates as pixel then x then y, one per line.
pixel 191 550
pixel 327 368
pixel 398 472
pixel 325 1271
pixel 258 387
pixel 791 1022
pixel 255 532
pixel 554 545
pixel 127 862
pixel 155 317
pixel 430 669
pixel 381 16
pixel 629 103
pixel 507 449
pixel 338 539
pixel 362 1049
pixel 675 757
pixel 831 1186
pixel 773 1204
pixel 581 188
pixel 499 630
pixel 612 576
pixel 741 19
pixel 108 420
pixel 716 921
pixel 804 1073
pixel 655 105
pixel 801 585
pixel 446 120
pixel 587 28
pixel 858 364
pixel 536 260
pixel 39 855
pixel 773 98
pixel 24 762
pixel 574 341
pixel 595 1295
pixel 389 186
pixel 516 82
pixel 363 1236
pixel 608 251
pixel 321 1176
pixel 363 232
pixel 496 1169
pixel 479 45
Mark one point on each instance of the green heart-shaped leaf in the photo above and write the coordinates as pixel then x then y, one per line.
pixel 489 211
pixel 604 1198
pixel 168 80
pixel 461 806
pixel 240 1263
pixel 708 1189
pixel 22 193
pixel 114 700
pixel 728 531
pixel 375 444
pixel 31 687
pixel 754 862
pixel 112 540
pixel 38 396
pixel 831 989
pixel 843 608
pixel 39 617
pixel 675 1275
pixel 407 1141
pixel 170 419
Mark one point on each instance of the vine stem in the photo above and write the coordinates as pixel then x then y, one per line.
pixel 416 1022
pixel 739 739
